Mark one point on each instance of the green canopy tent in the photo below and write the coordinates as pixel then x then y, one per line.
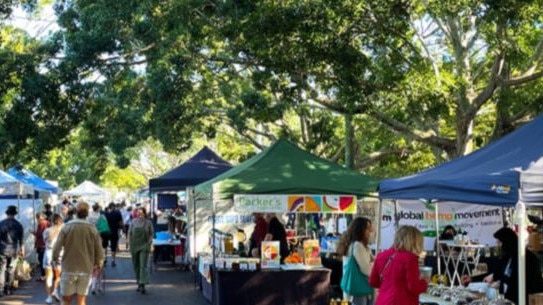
pixel 281 169
pixel 284 168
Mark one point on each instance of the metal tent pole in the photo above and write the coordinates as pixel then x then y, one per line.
pixel 438 253
pixel 520 215
pixel 378 226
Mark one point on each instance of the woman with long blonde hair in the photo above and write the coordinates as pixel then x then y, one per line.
pixel 396 270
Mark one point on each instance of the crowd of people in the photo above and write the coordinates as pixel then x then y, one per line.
pixel 71 244
pixel 71 247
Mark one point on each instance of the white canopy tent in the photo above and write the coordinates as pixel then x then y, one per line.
pixel 87 189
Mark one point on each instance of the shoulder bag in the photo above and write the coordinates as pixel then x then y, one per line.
pixel 353 281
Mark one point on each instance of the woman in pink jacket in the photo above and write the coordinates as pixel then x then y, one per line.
pixel 395 271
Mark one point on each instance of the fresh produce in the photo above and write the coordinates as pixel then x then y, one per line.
pixel 293 258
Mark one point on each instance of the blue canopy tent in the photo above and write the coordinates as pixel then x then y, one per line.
pixel 28 177
pixel 12 188
pixel 204 165
pixel 494 174
pixel 506 172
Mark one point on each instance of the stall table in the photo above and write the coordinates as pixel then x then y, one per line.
pixel 166 248
pixel 429 299
pixel 271 287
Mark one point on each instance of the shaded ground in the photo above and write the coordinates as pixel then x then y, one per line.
pixel 168 286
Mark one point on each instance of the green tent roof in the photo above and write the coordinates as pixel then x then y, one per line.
pixel 283 168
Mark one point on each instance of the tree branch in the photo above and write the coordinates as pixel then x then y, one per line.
pixel 488 91
pixel 429 55
pixel 428 137
pixel 520 80
pixel 377 156
pixel 536 58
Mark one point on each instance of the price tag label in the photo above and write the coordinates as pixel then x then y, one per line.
pixel 228 264
pixel 243 266
pixel 252 266
pixel 342 225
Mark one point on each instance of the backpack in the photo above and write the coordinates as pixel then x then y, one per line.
pixel 101 225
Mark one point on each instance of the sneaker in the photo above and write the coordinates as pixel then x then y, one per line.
pixel 55 295
pixel 49 300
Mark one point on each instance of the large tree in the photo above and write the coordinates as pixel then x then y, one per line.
pixel 441 78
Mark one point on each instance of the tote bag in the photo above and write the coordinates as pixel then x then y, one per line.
pixel 354 282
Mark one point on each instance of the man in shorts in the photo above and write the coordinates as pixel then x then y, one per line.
pixel 82 255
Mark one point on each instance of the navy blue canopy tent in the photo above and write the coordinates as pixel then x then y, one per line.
pixel 28 177
pixel 493 175
pixel 506 172
pixel 204 165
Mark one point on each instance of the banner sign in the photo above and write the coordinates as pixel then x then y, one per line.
pixel 295 203
pixel 479 221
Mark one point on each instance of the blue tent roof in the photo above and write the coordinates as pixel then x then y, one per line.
pixel 490 175
pixel 204 165
pixel 28 177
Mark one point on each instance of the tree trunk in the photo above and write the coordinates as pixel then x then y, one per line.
pixel 464 134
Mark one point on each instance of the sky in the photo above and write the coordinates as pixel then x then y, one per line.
pixel 37 24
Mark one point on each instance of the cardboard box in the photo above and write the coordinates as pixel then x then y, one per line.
pixel 535 299
pixel 534 241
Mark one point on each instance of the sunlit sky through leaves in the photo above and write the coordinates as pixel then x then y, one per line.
pixel 36 24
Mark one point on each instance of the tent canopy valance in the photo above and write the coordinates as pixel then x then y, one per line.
pixel 87 188
pixel 26 176
pixel 283 168
pixel 490 175
pixel 203 166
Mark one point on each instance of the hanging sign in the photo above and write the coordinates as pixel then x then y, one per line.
pixel 249 203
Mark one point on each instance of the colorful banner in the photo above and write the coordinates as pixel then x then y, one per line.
pixel 479 221
pixel 295 203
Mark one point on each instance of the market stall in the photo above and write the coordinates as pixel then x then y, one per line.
pixel 281 179
pixel 17 193
pixel 506 172
pixel 204 165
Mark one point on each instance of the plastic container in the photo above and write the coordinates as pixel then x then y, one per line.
pixel 163 235
pixel 426 273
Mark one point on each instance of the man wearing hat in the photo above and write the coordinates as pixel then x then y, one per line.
pixel 11 244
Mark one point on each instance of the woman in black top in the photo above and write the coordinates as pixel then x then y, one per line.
pixel 276 231
pixel 507 271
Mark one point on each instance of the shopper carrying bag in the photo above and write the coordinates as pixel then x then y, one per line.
pixel 357 260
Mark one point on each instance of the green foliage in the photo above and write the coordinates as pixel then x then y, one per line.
pixel 425 81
